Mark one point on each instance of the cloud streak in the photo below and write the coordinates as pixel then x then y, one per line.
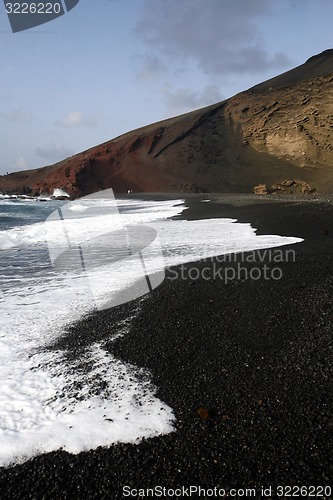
pixel 219 36
pixel 151 67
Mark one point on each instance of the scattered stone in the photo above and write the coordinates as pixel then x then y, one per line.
pixel 306 188
pixel 203 413
pixel 287 183
pixel 260 189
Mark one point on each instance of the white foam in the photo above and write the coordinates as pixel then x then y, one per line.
pixel 43 198
pixel 35 234
pixel 79 207
pixel 57 193
pixel 202 239
pixel 36 419
pixel 48 402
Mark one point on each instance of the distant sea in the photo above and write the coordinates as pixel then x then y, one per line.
pixel 46 401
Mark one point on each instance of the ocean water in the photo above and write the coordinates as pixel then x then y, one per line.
pixel 46 401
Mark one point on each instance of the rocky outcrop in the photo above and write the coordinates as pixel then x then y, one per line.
pixel 281 129
pixel 295 124
pixel 260 189
pixel 285 187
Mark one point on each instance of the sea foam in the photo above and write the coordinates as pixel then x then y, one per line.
pixel 49 402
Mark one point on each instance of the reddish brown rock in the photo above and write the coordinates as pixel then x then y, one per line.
pixel 269 134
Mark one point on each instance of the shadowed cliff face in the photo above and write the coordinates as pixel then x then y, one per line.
pixel 281 129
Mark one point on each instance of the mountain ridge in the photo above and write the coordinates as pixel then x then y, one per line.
pixel 279 129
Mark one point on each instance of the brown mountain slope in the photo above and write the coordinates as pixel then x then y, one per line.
pixel 318 65
pixel 281 129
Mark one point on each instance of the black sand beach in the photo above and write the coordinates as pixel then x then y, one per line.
pixel 245 365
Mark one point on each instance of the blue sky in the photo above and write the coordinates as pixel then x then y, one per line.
pixel 109 66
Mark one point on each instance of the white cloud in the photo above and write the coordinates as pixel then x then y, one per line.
pixel 79 119
pixel 54 152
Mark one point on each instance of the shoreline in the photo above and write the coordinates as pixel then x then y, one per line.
pixel 237 199
pixel 245 366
